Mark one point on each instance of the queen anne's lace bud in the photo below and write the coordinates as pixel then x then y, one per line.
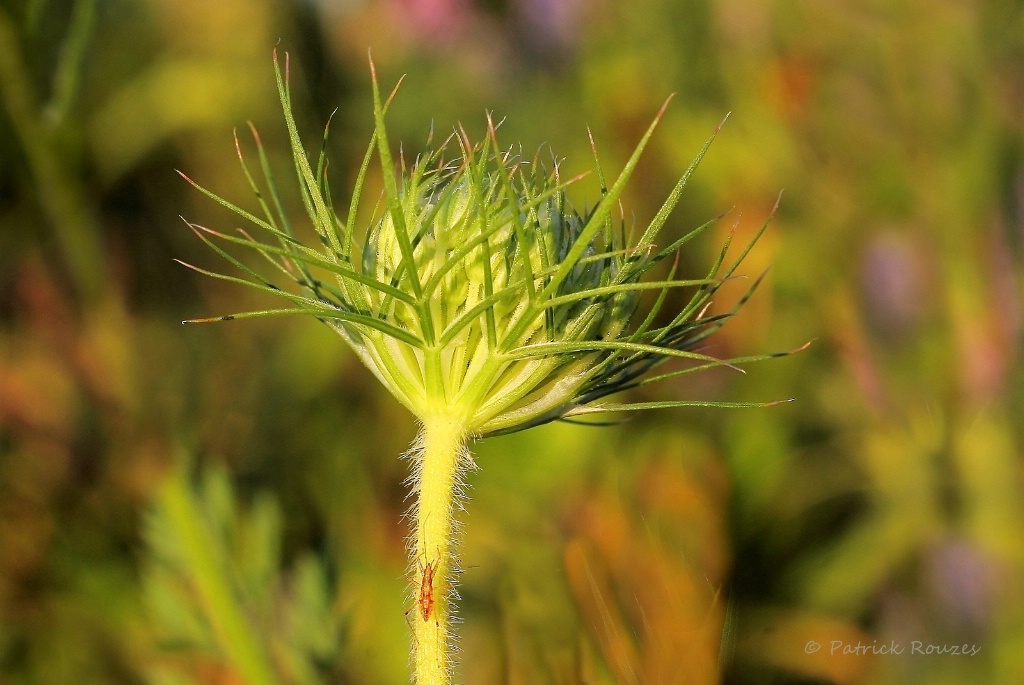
pixel 479 293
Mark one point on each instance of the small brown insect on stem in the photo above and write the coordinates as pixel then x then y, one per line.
pixel 425 600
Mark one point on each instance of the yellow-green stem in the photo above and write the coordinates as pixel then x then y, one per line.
pixel 443 444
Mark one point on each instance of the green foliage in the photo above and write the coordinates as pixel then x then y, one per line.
pixel 218 593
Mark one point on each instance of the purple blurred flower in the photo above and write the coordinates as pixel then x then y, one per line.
pixel 433 18
pixel 963 582
pixel 557 19
pixel 893 285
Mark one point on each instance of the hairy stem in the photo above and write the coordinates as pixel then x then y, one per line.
pixel 442 461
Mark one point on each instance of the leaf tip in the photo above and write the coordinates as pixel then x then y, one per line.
pixel 664 108
pixel 722 122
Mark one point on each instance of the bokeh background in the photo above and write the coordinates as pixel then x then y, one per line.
pixel 157 480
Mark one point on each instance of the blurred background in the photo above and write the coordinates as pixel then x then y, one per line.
pixel 175 499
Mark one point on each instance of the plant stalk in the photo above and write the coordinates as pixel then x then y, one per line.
pixel 62 197
pixel 442 461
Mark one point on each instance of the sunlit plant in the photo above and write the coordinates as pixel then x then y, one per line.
pixel 484 303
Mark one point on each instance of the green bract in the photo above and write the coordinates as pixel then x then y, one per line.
pixel 477 292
